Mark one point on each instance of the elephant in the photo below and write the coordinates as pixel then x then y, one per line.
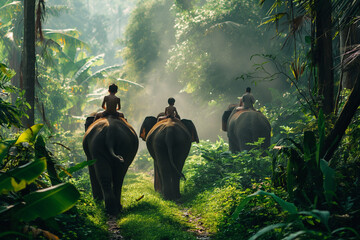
pixel 168 142
pixel 245 126
pixel 113 143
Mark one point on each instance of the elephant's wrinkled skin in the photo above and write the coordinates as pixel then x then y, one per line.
pixel 168 142
pixel 245 126
pixel 105 140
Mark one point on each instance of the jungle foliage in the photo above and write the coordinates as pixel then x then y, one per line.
pixel 305 187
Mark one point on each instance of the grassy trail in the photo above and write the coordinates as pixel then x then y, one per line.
pixel 147 216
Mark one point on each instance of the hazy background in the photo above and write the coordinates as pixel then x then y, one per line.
pixel 202 56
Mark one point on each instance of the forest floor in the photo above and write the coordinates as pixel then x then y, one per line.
pixel 146 215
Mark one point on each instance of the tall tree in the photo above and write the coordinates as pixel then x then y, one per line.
pixel 328 17
pixel 324 58
pixel 29 59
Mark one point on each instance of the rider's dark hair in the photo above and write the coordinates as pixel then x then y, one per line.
pixel 171 101
pixel 113 88
pixel 248 89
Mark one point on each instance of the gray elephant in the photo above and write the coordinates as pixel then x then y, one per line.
pixel 245 126
pixel 169 142
pixel 113 143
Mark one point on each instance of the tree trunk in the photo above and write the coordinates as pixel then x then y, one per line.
pixel 324 60
pixel 29 59
pixel 333 139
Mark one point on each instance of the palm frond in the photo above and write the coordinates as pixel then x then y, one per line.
pixel 87 65
pixel 130 82
pixel 68 38
pixel 228 26
pixel 345 11
pixel 10 8
pixel 9 114
pixel 100 73
pixel 274 18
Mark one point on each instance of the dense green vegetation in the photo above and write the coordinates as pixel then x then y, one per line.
pixel 203 53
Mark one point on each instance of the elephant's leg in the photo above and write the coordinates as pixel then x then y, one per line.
pixel 104 174
pixel 157 182
pixel 234 145
pixel 180 157
pixel 176 187
pixel 95 186
pixel 165 171
pixel 118 173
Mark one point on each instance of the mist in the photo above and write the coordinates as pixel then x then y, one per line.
pixel 229 51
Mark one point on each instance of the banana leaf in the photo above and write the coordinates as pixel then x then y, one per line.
pixel 4 148
pixel 18 178
pixel 47 202
pixel 86 66
pixel 267 229
pixel 287 206
pixel 100 73
pixel 329 183
pixel 30 134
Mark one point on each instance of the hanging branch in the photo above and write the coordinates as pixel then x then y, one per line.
pixel 40 13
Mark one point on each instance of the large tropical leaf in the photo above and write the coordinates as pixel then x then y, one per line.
pixel 329 180
pixel 30 134
pixel 4 148
pixel 18 178
pixel 228 27
pixel 100 73
pixel 9 114
pixel 287 206
pixel 323 216
pixel 7 11
pixel 129 82
pixel 68 38
pixel 86 66
pixel 267 229
pixel 48 202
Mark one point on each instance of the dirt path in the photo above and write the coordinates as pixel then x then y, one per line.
pixel 114 229
pixel 199 230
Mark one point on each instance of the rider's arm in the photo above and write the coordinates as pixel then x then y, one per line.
pixel 103 103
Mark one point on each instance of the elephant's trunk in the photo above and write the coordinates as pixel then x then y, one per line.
pixel 169 139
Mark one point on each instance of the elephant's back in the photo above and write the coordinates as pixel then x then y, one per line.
pixel 123 133
pixel 106 131
pixel 249 123
pixel 169 127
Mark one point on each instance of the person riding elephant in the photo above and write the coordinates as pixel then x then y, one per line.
pixel 245 126
pixel 168 142
pixel 113 143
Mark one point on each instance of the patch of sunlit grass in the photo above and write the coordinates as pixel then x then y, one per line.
pixel 214 205
pixel 146 215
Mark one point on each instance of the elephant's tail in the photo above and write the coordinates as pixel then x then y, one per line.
pixel 110 145
pixel 170 144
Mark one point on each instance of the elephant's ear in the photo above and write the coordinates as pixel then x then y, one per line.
pixel 146 126
pixel 88 122
pixel 160 115
pixel 191 127
pixel 224 119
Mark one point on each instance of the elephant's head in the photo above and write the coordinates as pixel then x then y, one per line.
pixel 146 126
pixel 226 115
